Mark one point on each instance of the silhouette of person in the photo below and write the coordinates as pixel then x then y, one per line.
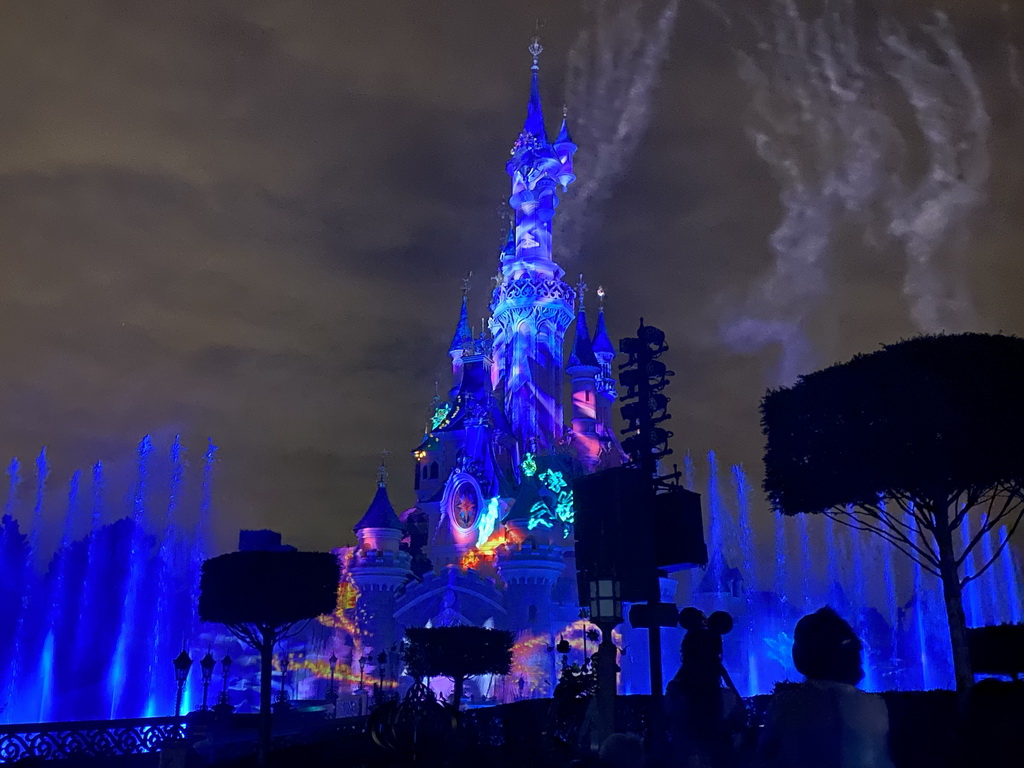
pixel 701 712
pixel 826 721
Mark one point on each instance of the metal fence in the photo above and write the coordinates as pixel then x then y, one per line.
pixel 94 738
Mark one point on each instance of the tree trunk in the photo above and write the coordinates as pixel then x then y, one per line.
pixel 266 683
pixel 953 598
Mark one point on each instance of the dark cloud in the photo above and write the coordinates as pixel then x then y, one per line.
pixel 250 220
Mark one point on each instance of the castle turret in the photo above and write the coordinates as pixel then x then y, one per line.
pixel 604 351
pixel 583 369
pixel 462 338
pixel 532 307
pixel 565 148
pixel 379 567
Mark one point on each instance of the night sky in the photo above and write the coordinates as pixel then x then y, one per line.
pixel 251 220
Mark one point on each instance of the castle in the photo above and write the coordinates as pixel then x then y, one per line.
pixel 489 542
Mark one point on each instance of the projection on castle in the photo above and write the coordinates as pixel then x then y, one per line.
pixel 489 542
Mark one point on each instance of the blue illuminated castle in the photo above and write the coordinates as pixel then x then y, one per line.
pixel 489 541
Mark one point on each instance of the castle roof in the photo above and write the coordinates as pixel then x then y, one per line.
pixel 463 335
pixel 582 349
pixel 603 346
pixel 534 123
pixel 564 137
pixel 380 513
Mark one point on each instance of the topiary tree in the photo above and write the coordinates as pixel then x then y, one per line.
pixel 264 597
pixel 907 443
pixel 458 653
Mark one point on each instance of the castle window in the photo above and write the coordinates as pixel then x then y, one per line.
pixel 433 471
pixel 532 613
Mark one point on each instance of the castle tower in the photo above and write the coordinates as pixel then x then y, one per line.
pixel 531 306
pixel 529 571
pixel 604 351
pixel 379 567
pixel 583 369
pixel 462 339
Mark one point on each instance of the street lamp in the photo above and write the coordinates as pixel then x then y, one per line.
pixel 182 665
pixel 206 665
pixel 282 695
pixel 222 700
pixel 382 660
pixel 606 612
pixel 332 694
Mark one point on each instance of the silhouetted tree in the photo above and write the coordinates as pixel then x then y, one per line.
pixel 458 653
pixel 906 442
pixel 265 597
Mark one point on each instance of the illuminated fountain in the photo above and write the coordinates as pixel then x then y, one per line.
pixel 92 636
pixel 804 562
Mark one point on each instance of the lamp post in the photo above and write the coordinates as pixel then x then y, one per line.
pixel 206 665
pixel 282 695
pixel 222 699
pixel 606 613
pixel 382 660
pixel 182 664
pixel 332 694
pixel 363 661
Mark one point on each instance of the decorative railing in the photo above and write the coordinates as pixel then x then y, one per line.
pixel 94 738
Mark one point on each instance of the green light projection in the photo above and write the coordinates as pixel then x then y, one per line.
pixel 543 513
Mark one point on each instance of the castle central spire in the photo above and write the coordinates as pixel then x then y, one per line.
pixel 532 306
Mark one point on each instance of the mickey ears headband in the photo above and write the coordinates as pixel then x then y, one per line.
pixel 718 622
pixel 691 618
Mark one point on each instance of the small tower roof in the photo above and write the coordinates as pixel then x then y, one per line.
pixel 582 349
pixel 463 335
pixel 380 513
pixel 564 137
pixel 509 248
pixel 602 344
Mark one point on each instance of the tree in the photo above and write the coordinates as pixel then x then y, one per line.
pixel 264 597
pixel 458 653
pixel 906 443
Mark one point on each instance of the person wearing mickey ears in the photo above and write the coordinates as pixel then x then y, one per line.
pixel 703 715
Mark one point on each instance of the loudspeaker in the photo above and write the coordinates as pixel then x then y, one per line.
pixel 614 533
pixel 679 530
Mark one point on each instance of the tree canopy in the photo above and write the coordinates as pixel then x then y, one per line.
pixel 458 652
pixel 926 416
pixel 268 588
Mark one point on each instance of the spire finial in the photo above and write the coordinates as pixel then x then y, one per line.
pixel 600 295
pixel 382 470
pixel 536 48
pixel 465 283
pixel 581 290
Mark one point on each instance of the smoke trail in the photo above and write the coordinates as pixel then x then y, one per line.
pixel 816 127
pixel 613 68
pixel 827 124
pixel 950 113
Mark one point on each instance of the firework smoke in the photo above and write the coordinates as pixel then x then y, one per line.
pixel 613 68
pixel 825 122
pixel 817 129
pixel 950 113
